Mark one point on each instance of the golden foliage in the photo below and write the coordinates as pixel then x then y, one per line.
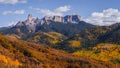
pixel 10 62
pixel 103 52
pixel 36 56
pixel 37 37
pixel 74 43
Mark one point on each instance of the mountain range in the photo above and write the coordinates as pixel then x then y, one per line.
pixel 32 23
pixel 68 25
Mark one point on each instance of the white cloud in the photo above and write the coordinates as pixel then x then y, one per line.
pixel 62 9
pixel 58 11
pixel 106 17
pixel 12 23
pixel 19 12
pixel 6 12
pixel 14 12
pixel 12 1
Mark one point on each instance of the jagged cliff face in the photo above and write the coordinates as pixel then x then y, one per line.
pixel 31 22
pixel 58 19
pixel 72 18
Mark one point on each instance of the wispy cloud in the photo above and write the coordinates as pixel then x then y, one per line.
pixel 14 12
pixel 58 11
pixel 12 23
pixel 106 17
pixel 12 1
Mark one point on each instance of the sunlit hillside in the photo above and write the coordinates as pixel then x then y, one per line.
pixel 20 54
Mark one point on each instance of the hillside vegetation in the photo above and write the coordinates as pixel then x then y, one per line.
pixel 49 38
pixel 102 52
pixel 19 54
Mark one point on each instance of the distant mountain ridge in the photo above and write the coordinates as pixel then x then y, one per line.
pixel 31 22
pixel 112 36
pixel 67 25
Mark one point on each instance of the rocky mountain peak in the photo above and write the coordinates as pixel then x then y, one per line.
pixel 30 17
pixel 58 19
pixel 47 18
pixel 32 23
pixel 72 18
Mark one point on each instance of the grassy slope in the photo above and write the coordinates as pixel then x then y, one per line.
pixel 28 55
pixel 49 38
pixel 102 52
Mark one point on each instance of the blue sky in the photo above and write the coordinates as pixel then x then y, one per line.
pixel 98 12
